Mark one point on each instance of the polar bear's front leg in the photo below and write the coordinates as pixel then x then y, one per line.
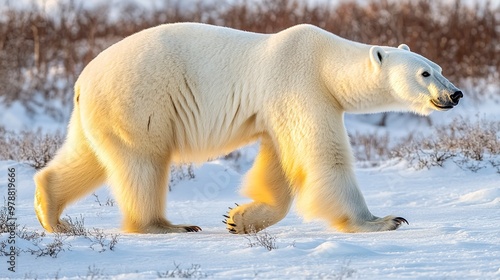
pixel 330 190
pixel 335 197
pixel 316 156
pixel 267 185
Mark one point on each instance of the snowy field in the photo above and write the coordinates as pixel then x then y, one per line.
pixel 454 230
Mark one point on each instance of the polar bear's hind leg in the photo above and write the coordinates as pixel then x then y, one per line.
pixel 74 172
pixel 139 183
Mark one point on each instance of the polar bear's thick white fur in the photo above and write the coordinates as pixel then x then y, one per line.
pixel 190 92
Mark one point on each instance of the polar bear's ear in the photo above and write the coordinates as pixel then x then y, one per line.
pixel 404 47
pixel 377 55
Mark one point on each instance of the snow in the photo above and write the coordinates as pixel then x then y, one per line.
pixel 483 196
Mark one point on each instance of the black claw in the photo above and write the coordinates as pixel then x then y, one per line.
pixel 226 216
pixel 400 220
pixel 224 222
pixel 192 229
pixel 231 224
pixel 232 231
pixel 236 204
pixel 230 208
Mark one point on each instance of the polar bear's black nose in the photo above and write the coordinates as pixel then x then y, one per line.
pixel 455 97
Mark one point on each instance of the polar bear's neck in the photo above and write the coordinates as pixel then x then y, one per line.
pixel 351 80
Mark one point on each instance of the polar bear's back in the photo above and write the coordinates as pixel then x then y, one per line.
pixel 178 45
pixel 190 80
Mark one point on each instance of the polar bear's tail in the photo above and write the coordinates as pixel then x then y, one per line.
pixel 74 172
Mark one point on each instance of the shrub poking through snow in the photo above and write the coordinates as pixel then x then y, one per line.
pixel 470 145
pixel 41 244
pixel 35 148
pixel 262 239
pixel 178 272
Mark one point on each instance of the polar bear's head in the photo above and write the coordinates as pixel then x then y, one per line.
pixel 415 82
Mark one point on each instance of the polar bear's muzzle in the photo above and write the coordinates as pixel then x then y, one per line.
pixel 449 103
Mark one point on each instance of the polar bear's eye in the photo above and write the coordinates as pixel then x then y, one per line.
pixel 426 74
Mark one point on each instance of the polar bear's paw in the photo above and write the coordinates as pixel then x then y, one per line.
pixel 160 227
pixel 230 221
pixel 377 224
pixel 248 218
pixel 172 229
pixel 398 221
pixel 387 223
pixel 231 226
pixel 62 226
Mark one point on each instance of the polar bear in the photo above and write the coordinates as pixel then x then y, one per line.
pixel 190 92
